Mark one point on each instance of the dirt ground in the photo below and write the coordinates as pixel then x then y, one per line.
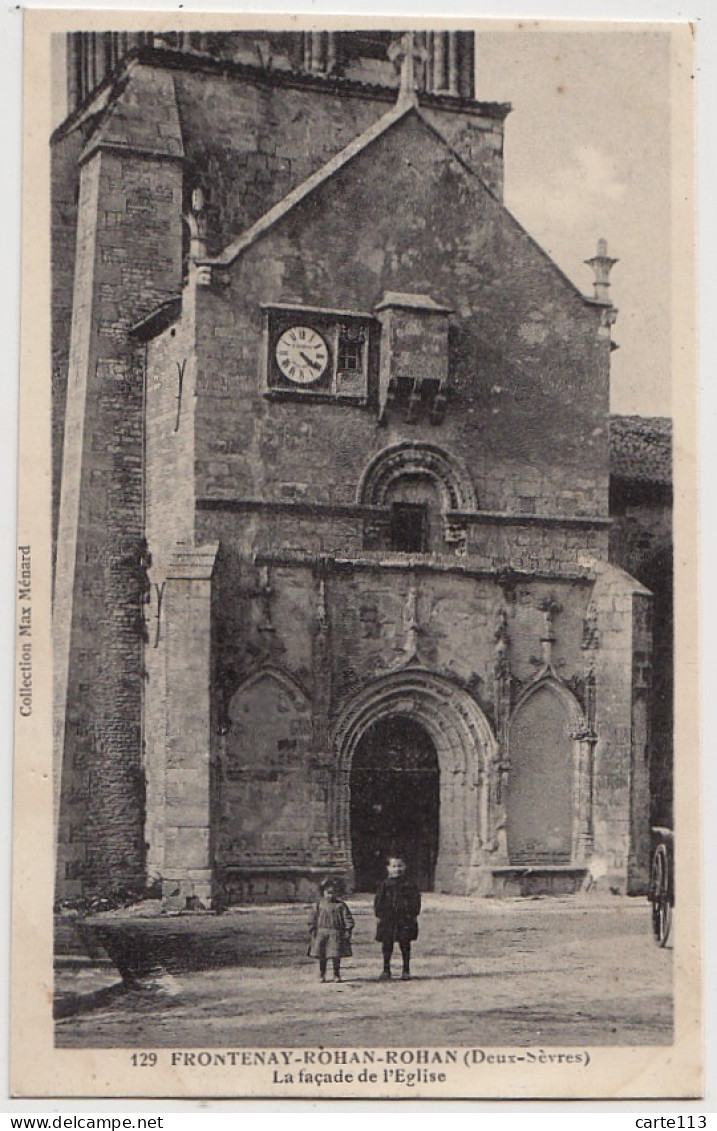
pixel 576 971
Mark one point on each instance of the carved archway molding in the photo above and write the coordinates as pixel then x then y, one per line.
pixel 284 679
pixel 466 749
pixel 230 687
pixel 547 680
pixel 417 458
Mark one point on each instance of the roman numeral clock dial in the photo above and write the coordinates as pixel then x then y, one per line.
pixel 302 355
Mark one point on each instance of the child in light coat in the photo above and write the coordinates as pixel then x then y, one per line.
pixel 330 927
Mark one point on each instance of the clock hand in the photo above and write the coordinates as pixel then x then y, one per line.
pixel 307 359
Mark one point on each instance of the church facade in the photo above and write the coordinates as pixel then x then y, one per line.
pixel 333 480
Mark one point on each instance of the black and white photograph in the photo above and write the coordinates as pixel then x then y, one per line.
pixel 361 391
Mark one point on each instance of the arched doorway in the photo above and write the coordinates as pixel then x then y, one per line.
pixel 394 807
pixel 465 749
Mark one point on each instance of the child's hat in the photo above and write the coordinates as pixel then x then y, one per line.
pixel 330 882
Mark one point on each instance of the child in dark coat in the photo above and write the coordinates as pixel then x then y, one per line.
pixel 397 906
pixel 330 927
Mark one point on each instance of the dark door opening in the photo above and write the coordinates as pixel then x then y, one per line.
pixel 409 528
pixel 394 802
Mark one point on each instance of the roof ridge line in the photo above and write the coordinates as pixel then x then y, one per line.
pixel 499 200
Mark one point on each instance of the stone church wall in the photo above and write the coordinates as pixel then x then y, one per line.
pixel 528 372
pixel 276 698
pixel 64 200
pixel 621 663
pixel 127 260
pixel 169 510
pixel 641 543
pixel 248 140
pixel 224 597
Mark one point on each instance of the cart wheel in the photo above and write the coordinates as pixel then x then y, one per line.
pixel 661 906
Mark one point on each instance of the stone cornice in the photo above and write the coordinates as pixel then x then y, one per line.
pixel 249 506
pixel 418 563
pixel 355 510
pixel 127 151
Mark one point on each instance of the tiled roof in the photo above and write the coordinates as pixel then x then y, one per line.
pixel 641 448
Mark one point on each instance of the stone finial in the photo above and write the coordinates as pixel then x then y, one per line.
pixel 411 626
pixel 501 673
pixel 500 638
pixel 405 53
pixel 550 608
pixel 265 592
pixel 591 632
pixel 196 220
pixel 602 265
pixel 322 618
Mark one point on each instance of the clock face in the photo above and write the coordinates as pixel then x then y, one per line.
pixel 302 355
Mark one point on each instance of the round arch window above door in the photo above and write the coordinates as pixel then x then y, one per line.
pixel 424 494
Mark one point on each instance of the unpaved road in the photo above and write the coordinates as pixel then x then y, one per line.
pixel 551 971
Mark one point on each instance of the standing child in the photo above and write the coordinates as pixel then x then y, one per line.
pixel 330 927
pixel 397 906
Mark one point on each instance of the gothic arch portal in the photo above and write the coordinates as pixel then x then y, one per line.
pixel 549 795
pixel 465 746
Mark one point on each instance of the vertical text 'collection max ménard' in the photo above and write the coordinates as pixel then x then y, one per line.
pixel 24 630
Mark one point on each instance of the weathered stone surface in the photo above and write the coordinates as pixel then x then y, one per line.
pixel 101 579
pixel 233 611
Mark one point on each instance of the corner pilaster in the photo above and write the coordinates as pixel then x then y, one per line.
pixel 188 857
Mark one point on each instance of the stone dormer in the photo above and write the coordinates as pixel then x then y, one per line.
pixel 414 354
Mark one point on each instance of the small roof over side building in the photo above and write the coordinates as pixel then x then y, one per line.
pixel 641 449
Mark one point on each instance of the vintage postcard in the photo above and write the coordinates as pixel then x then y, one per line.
pixel 357 750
